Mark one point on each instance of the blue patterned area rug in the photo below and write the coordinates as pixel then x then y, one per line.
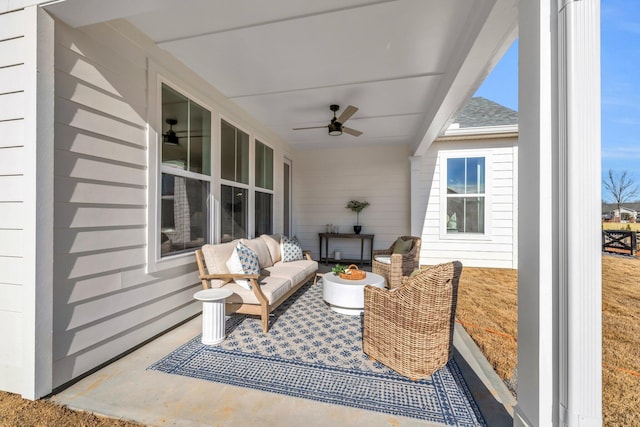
pixel 315 353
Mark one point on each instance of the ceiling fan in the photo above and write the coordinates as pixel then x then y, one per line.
pixel 170 137
pixel 336 127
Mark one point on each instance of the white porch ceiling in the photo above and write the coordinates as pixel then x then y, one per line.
pixel 408 65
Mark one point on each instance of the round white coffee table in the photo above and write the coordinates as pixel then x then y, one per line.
pixel 213 312
pixel 347 296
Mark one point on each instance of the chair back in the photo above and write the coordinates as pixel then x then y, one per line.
pixel 433 296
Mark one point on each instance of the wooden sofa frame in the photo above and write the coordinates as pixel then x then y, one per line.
pixel 264 308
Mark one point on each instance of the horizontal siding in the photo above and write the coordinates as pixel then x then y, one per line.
pixel 11 298
pixel 11 243
pixel 86 143
pixel 12 197
pixel 12 160
pixel 76 115
pixel 75 364
pixel 11 270
pixel 12 78
pixel 72 215
pixel 104 301
pixel 12 105
pixel 12 25
pixel 12 132
pixel 498 248
pixel 12 52
pixel 72 165
pixel 11 350
pixel 12 214
pixel 325 180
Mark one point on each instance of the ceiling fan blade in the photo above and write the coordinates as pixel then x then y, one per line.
pixel 313 127
pixel 348 112
pixel 351 131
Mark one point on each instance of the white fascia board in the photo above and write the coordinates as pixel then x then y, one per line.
pixel 505 131
pixel 495 38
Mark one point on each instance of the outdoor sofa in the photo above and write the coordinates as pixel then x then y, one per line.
pixel 278 269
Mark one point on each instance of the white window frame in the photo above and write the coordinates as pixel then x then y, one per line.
pixel 461 154
pixel 249 187
pixel 155 261
pixel 256 188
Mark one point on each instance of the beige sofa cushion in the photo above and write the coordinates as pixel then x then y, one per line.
pixel 259 246
pixel 273 244
pixel 272 287
pixel 306 267
pixel 215 258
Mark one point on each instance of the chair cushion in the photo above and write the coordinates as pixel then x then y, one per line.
pixel 402 246
pixel 385 259
pixel 273 244
pixel 259 246
pixel 243 261
pixel 290 249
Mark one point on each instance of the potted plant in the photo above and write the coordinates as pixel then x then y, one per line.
pixel 357 207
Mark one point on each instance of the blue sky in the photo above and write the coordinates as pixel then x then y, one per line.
pixel 620 57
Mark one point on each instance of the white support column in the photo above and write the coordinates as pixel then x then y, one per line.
pixel 38 178
pixel 559 278
pixel 537 267
pixel 580 339
pixel 418 207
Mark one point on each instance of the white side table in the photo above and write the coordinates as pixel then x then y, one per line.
pixel 347 296
pixel 213 311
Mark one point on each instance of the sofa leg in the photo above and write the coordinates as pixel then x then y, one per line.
pixel 265 319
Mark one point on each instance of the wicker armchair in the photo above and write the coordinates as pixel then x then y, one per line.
pixel 401 264
pixel 410 329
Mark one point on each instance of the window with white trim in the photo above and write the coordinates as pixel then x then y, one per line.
pixel 263 196
pixel 234 194
pixel 465 195
pixel 186 173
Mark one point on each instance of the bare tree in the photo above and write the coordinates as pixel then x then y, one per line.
pixel 622 188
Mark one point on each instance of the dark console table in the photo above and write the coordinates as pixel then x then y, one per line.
pixel 326 236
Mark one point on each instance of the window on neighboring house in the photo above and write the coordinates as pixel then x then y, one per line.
pixel 465 195
pixel 263 195
pixel 234 171
pixel 186 173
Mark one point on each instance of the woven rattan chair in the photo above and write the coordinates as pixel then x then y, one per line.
pixel 401 264
pixel 410 329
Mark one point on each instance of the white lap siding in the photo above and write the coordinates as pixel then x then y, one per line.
pixel 12 148
pixel 104 302
pixel 499 248
pixel 325 180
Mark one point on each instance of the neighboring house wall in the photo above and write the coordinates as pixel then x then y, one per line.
pixel 325 181
pixel 498 247
pixel 107 299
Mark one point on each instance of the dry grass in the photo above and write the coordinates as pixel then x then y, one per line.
pixel 487 306
pixel 488 310
pixel 16 411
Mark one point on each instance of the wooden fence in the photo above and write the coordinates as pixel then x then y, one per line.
pixel 619 241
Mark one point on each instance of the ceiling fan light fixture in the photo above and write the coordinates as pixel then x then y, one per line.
pixel 170 137
pixel 335 129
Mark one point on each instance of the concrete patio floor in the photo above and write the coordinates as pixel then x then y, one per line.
pixel 126 389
